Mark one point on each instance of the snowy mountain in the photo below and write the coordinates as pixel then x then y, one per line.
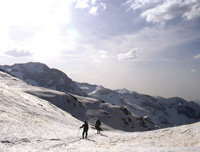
pixel 29 123
pixel 161 111
pixel 164 112
pixel 84 108
pixel 39 74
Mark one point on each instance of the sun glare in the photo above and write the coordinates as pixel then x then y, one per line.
pixel 45 19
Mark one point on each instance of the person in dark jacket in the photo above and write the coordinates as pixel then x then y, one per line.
pixel 85 129
pixel 97 126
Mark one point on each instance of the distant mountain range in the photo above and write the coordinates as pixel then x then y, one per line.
pixel 157 110
pixel 164 112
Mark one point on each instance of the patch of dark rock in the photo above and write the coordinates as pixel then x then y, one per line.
pixel 125 110
pixel 141 121
pixel 68 101
pixel 106 113
pixel 125 122
pixel 81 104
pixel 102 101
pixel 74 98
pixel 73 116
pixel 188 112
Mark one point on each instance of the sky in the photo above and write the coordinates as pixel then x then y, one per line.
pixel 148 46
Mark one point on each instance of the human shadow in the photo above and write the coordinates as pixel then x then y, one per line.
pixel 103 135
pixel 90 140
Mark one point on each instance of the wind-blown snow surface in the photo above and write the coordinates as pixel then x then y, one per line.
pixel 29 123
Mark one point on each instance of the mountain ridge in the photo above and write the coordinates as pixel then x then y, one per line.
pixel 165 112
pixel 39 74
pixel 29 123
pixel 81 108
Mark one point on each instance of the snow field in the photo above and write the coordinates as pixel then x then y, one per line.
pixel 31 124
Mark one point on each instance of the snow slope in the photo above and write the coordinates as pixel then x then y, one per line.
pixel 29 123
pixel 84 108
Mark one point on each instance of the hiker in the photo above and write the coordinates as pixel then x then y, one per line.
pixel 97 126
pixel 85 129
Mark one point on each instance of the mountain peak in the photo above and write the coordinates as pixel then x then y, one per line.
pixel 39 74
pixel 31 67
pixel 123 91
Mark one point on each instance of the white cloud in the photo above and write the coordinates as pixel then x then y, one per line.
pixel 82 4
pixel 197 56
pixel 73 73
pixel 103 5
pixel 93 2
pixel 138 4
pixel 92 5
pixel 17 53
pixel 193 70
pixel 194 11
pixel 164 10
pixel 93 11
pixel 132 54
pixel 151 40
pixel 103 54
